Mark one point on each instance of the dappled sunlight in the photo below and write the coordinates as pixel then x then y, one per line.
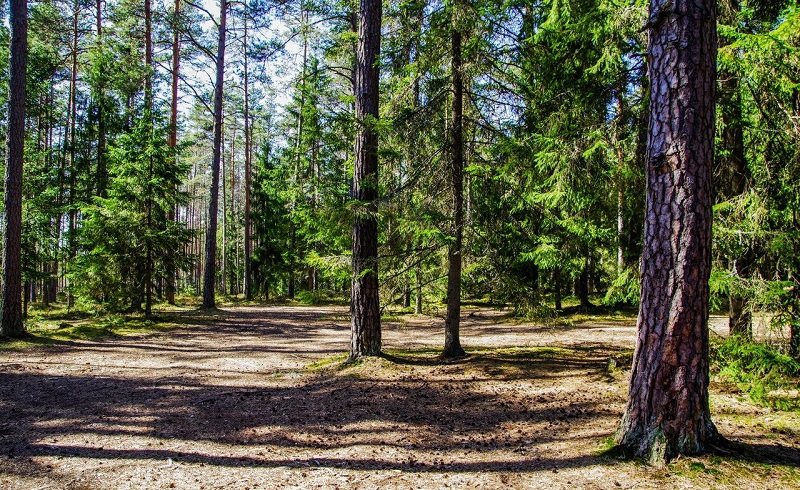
pixel 255 392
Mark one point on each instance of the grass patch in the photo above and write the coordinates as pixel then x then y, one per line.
pixel 56 326
pixel 336 362
pixel 723 471
pixel 321 298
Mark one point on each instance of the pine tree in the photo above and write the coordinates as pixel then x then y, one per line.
pixel 365 326
pixel 11 324
pixel 210 268
pixel 667 412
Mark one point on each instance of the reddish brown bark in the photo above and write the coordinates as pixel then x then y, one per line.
pixel 365 324
pixel 172 141
pixel 11 324
pixel 667 412
pixel 452 342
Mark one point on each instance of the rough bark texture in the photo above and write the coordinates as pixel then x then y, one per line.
pixel 667 412
pixel 452 343
pixel 11 324
pixel 365 323
pixel 210 271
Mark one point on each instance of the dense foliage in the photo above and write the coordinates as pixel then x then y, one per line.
pixel 555 106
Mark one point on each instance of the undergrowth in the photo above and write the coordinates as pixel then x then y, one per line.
pixel 769 377
pixel 53 326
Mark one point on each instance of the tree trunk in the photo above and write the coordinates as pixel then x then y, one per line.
pixel 365 323
pixel 172 142
pixel 102 171
pixel 73 115
pixel 148 114
pixel 557 289
pixel 739 318
pixel 418 294
pixel 735 181
pixel 583 287
pixel 11 324
pixel 248 155
pixel 224 259
pixel 209 273
pixel 667 412
pixel 452 343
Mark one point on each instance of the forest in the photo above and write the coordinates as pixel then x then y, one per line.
pixel 475 164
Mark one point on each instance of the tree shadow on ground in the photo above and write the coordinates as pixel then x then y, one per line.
pixel 319 412
pixel 497 410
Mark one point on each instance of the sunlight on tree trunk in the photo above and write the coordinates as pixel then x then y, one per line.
pixel 365 323
pixel 667 412
pixel 210 270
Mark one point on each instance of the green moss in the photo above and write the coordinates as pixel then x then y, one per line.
pixel 58 326
pixel 336 362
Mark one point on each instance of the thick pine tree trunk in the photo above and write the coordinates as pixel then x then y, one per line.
pixel 452 342
pixel 11 324
pixel 210 270
pixel 365 324
pixel 667 412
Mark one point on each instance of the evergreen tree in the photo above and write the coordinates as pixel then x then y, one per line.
pixel 11 324
pixel 365 327
pixel 667 412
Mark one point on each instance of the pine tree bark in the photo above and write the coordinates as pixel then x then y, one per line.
pixel 248 155
pixel 667 412
pixel 210 270
pixel 11 324
pixel 102 170
pixel 73 147
pixel 452 342
pixel 172 141
pixel 365 323
pixel 148 108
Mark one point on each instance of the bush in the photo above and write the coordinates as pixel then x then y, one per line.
pixel 624 289
pixel 759 370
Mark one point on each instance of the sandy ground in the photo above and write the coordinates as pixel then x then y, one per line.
pixel 229 401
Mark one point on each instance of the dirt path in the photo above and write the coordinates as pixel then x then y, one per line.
pixel 228 402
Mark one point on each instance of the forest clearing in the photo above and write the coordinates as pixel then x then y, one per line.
pixel 259 397
pixel 560 160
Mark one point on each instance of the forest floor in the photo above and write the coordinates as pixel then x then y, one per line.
pixel 258 397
